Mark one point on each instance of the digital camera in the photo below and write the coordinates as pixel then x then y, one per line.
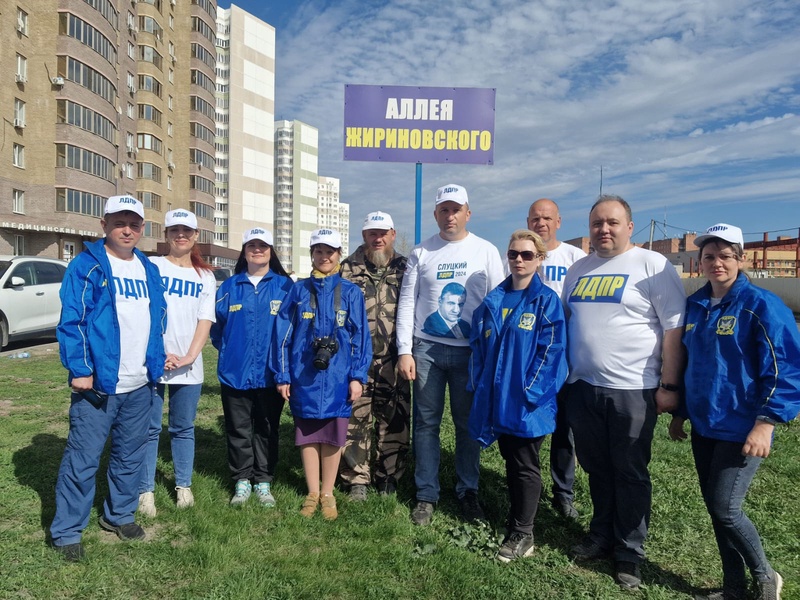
pixel 325 348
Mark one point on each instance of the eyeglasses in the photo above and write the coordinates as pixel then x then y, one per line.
pixel 527 255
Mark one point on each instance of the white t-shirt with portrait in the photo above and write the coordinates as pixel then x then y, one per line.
pixel 129 279
pixel 190 298
pixel 443 284
pixel 618 309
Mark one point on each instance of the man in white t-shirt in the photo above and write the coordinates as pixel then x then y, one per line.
pixel 446 278
pixel 625 307
pixel 111 341
pixel 545 219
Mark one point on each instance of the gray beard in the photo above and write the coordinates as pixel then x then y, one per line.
pixel 379 258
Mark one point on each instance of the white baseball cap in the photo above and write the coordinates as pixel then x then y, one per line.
pixel 329 237
pixel 378 220
pixel 257 233
pixel 180 216
pixel 723 231
pixel 116 204
pixel 451 193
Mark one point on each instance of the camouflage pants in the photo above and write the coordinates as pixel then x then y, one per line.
pixel 379 428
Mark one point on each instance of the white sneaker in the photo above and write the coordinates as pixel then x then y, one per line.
pixel 185 497
pixel 147 504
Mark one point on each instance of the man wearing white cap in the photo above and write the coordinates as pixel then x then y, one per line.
pixel 625 308
pixel 113 317
pixel 435 361
pixel 383 410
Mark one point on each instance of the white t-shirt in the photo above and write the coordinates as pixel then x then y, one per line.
pixel 554 267
pixel 133 313
pixel 443 283
pixel 618 310
pixel 190 298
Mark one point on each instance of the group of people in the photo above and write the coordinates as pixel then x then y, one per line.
pixel 590 349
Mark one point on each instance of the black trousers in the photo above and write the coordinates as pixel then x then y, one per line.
pixel 524 480
pixel 252 420
pixel 562 454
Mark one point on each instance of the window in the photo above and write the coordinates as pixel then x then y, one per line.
pixel 18 202
pixel 19 156
pixel 131 51
pixel 131 81
pixel 169 102
pixel 76 201
pixel 150 200
pixel 171 76
pixel 129 170
pixel 19 245
pixel 169 129
pixel 22 21
pixel 22 69
pixel 150 113
pixel 68 252
pixel 129 143
pixel 48 273
pixel 169 182
pixel 19 113
pixel 130 110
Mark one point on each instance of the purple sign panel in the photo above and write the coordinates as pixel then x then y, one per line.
pixel 419 124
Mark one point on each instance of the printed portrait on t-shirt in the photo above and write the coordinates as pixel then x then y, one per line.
pixel 447 321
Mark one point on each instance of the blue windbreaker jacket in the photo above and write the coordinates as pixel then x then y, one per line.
pixel 245 325
pixel 743 361
pixel 323 394
pixel 517 364
pixel 88 331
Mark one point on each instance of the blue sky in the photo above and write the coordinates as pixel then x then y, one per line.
pixel 692 107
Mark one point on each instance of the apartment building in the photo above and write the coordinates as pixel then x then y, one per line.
pixel 333 213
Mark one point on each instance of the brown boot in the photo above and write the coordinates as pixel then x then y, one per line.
pixel 310 505
pixel 328 504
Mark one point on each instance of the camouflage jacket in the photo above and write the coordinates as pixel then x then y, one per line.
pixel 381 294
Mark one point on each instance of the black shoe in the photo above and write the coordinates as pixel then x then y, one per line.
pixel 588 549
pixel 71 552
pixel 627 575
pixel 422 513
pixel 516 545
pixel 470 507
pixel 127 532
pixel 565 508
pixel 386 488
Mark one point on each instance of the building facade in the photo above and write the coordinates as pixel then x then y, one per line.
pixel 296 156
pixel 331 212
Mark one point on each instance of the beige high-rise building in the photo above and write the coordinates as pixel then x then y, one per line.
pixel 245 126
pixel 296 155
pixel 331 212
pixel 107 98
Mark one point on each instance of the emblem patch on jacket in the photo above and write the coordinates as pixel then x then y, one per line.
pixel 341 317
pixel 526 321
pixel 274 306
pixel 726 325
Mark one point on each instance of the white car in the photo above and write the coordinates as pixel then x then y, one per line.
pixel 30 306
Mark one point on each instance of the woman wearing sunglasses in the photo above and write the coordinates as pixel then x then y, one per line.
pixel 518 364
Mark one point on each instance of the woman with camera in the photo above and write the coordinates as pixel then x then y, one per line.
pixel 321 352
pixel 247 305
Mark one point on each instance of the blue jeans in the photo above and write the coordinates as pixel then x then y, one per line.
pixel 439 365
pixel 123 416
pixel 725 476
pixel 183 400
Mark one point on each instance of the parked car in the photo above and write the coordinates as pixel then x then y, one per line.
pixel 29 302
pixel 221 274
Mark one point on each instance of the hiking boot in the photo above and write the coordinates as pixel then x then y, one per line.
pixel 516 545
pixel 264 494
pixel 241 492
pixel 386 488
pixel 422 513
pixel 627 575
pixel 565 508
pixel 71 552
pixel 127 532
pixel 185 497
pixel 310 505
pixel 470 507
pixel 770 589
pixel 588 549
pixel 328 504
pixel 147 504
pixel 358 493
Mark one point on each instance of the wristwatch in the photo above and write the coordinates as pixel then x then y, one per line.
pixel 670 387
pixel 769 420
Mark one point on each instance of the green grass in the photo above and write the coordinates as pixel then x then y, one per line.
pixel 372 550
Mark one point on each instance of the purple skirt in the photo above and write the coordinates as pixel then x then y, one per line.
pixel 332 432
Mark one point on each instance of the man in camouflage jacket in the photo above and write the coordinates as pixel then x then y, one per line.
pixel 380 418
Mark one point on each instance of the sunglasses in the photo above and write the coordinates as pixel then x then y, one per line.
pixel 527 255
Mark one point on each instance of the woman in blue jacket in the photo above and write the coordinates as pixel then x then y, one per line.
pixel 742 378
pixel 321 354
pixel 246 308
pixel 518 365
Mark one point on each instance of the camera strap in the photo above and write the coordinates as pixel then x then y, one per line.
pixel 337 302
